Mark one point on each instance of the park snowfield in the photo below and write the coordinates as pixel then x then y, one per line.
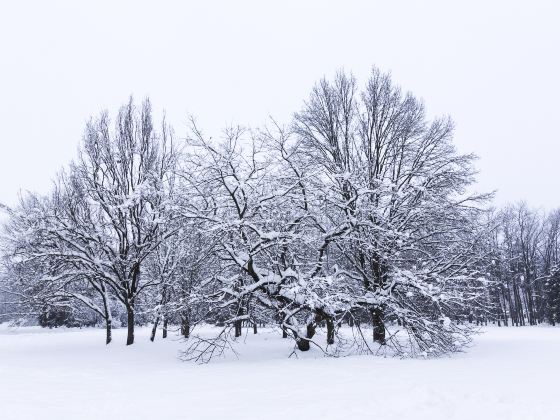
pixel 508 373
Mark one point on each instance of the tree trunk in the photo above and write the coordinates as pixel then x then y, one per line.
pixel 304 344
pixel 530 305
pixel 378 325
pixel 254 328
pixel 165 327
pixel 237 325
pixel 330 331
pixel 284 333
pixel 519 304
pixel 185 326
pixel 154 329
pixel 107 316
pixel 108 330
pixel 130 325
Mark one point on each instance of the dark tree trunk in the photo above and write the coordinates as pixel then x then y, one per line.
pixel 255 328
pixel 504 309
pixel 130 325
pixel 378 325
pixel 330 331
pixel 154 329
pixel 237 325
pixel 185 326
pixel 165 320
pixel 108 330
pixel 304 343
pixel 284 333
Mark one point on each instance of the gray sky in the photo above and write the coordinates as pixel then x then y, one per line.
pixel 493 66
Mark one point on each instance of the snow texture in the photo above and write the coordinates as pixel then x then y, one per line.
pixel 509 373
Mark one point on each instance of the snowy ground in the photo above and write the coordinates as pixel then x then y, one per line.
pixel 510 373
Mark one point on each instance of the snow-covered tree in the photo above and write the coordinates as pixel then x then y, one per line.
pixel 404 189
pixel 360 211
pixel 126 177
pixel 105 218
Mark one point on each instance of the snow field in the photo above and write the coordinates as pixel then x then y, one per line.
pixel 509 373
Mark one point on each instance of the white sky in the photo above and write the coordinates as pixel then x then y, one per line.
pixel 493 66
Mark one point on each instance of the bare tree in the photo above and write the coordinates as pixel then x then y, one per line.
pixel 402 186
pixel 127 178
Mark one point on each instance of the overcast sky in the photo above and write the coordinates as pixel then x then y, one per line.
pixel 493 66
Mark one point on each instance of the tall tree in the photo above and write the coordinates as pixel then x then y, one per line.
pixel 403 187
pixel 126 176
